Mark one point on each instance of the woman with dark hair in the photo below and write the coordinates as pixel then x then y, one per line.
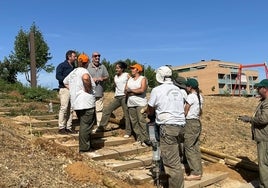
pixel 120 80
pixel 193 127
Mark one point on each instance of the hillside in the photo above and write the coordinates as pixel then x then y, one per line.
pixel 27 160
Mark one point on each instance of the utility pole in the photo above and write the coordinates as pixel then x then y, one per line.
pixel 33 60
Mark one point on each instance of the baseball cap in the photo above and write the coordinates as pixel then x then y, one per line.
pixel 163 75
pixel 83 58
pixel 192 82
pixel 137 66
pixel 263 83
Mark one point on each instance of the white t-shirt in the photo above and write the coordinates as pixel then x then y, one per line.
pixel 184 94
pixel 136 100
pixel 168 102
pixel 120 84
pixel 79 98
pixel 194 110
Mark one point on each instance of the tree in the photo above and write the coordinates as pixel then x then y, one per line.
pixel 21 55
pixel 109 84
pixel 149 73
pixel 8 71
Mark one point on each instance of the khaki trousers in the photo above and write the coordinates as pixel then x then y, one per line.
pixel 169 147
pixel 65 112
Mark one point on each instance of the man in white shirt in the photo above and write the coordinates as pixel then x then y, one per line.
pixel 167 104
pixel 81 86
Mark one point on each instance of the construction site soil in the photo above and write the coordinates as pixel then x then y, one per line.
pixel 27 160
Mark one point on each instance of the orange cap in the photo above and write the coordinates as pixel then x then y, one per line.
pixel 137 66
pixel 83 58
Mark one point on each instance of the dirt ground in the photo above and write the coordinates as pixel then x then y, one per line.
pixel 28 161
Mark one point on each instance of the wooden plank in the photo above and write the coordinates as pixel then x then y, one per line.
pixel 207 179
pixel 103 142
pixel 46 117
pixel 52 133
pixel 142 176
pixel 49 123
pixel 129 163
pixel 116 152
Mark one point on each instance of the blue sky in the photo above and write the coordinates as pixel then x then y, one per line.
pixel 152 32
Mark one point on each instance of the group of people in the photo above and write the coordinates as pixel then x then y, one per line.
pixel 175 107
pixel 80 90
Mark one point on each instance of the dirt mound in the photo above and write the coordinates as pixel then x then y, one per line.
pixel 80 171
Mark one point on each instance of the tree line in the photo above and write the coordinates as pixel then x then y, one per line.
pixel 19 60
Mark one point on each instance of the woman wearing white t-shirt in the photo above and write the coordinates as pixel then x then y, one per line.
pixel 120 80
pixel 136 101
pixel 193 127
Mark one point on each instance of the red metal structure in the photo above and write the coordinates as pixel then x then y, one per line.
pixel 238 78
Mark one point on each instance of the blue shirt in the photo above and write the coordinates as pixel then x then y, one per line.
pixel 62 70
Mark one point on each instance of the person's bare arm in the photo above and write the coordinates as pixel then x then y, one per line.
pixel 87 83
pixel 186 108
pixel 140 90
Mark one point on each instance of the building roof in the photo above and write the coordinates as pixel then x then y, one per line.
pixel 202 64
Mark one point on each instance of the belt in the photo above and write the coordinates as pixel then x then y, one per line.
pixel 174 125
pixel 193 119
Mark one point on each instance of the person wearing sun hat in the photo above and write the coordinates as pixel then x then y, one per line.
pixel 166 104
pixel 193 110
pixel 180 82
pixel 136 101
pixel 259 127
pixel 81 86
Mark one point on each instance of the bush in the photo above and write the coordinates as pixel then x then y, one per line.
pixel 39 94
pixel 36 93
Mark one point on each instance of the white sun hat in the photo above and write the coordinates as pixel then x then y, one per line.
pixel 163 75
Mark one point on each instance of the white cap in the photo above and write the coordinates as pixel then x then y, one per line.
pixel 163 75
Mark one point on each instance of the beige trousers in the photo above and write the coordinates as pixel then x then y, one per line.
pixel 65 112
pixel 99 108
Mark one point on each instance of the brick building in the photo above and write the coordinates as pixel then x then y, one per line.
pixel 217 77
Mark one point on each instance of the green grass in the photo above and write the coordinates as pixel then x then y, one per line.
pixel 28 93
pixel 20 94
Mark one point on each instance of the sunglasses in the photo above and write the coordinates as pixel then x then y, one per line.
pixel 96 55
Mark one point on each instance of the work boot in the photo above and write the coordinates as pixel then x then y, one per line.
pixel 62 131
pixel 99 129
pixel 70 131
